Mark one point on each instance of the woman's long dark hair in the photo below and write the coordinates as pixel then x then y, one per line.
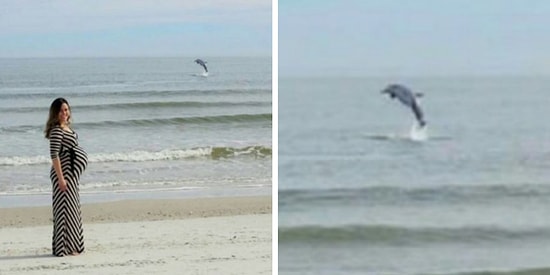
pixel 53 118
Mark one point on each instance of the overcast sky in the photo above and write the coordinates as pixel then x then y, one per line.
pixel 414 37
pixel 54 28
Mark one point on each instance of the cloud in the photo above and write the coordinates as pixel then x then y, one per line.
pixel 48 16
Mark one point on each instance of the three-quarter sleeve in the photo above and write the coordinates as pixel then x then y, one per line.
pixel 56 136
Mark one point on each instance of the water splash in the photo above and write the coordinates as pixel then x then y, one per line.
pixel 418 133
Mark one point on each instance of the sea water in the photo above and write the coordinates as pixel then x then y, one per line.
pixel 152 127
pixel 361 192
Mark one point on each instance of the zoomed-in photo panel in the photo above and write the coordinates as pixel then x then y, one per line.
pixel 413 137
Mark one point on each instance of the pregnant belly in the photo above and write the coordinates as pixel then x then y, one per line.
pixel 81 158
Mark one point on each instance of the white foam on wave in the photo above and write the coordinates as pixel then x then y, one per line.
pixel 139 156
pixel 135 156
pixel 144 156
pixel 20 161
pixel 172 185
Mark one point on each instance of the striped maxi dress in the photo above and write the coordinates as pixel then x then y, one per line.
pixel 68 235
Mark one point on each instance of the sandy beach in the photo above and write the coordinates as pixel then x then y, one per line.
pixel 229 235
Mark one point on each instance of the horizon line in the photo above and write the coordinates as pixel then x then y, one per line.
pixel 457 75
pixel 131 56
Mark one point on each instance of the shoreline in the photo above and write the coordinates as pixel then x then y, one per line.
pixel 143 210
pixel 19 200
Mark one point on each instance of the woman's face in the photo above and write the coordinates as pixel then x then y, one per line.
pixel 64 114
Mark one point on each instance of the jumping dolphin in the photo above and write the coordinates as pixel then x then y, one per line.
pixel 408 98
pixel 202 63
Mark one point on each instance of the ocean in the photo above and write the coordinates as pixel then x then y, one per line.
pixel 361 191
pixel 152 127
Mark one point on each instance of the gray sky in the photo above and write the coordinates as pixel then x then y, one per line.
pixel 414 37
pixel 53 28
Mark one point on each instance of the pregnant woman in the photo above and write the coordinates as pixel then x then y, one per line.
pixel 68 162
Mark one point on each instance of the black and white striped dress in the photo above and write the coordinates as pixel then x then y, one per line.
pixel 68 235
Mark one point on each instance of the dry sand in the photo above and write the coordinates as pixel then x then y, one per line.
pixel 188 236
